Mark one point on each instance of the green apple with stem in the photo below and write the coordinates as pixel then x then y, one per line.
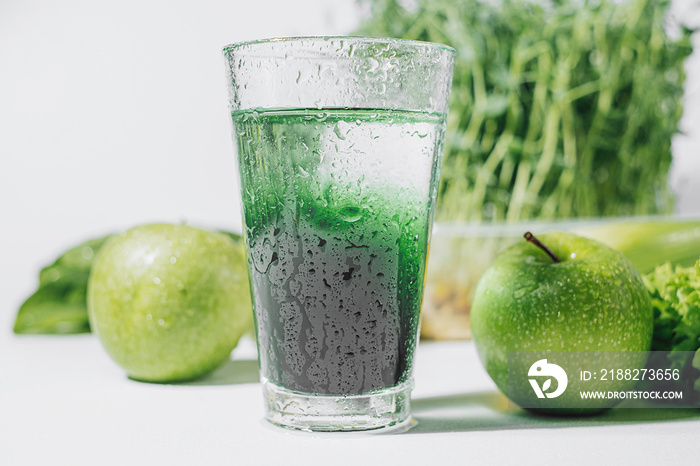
pixel 561 293
pixel 169 302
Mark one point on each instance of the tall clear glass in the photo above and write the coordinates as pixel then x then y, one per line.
pixel 339 143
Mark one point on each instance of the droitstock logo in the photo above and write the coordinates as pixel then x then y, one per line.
pixel 542 368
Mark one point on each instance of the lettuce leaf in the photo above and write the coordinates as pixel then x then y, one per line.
pixel 675 296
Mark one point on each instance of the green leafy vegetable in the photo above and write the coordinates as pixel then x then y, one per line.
pixel 675 294
pixel 59 305
pixel 558 109
pixel 77 260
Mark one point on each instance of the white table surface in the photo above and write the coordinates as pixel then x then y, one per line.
pixel 63 401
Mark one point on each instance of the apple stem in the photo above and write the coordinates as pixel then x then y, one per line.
pixel 531 238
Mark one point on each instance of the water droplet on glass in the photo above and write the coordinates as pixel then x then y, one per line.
pixel 350 214
pixel 341 130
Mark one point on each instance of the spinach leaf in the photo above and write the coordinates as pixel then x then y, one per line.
pixel 59 305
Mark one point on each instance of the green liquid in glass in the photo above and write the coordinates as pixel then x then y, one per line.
pixel 337 206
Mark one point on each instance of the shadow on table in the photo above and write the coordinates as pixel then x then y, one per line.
pixel 234 372
pixel 489 411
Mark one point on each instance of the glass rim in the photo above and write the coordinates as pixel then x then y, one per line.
pixel 357 39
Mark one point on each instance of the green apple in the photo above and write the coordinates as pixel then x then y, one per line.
pixel 169 302
pixel 591 299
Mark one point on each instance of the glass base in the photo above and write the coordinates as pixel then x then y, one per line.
pixel 334 413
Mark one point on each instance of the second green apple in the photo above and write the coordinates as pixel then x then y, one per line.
pixel 591 300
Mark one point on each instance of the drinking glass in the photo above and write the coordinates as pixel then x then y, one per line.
pixel 339 142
